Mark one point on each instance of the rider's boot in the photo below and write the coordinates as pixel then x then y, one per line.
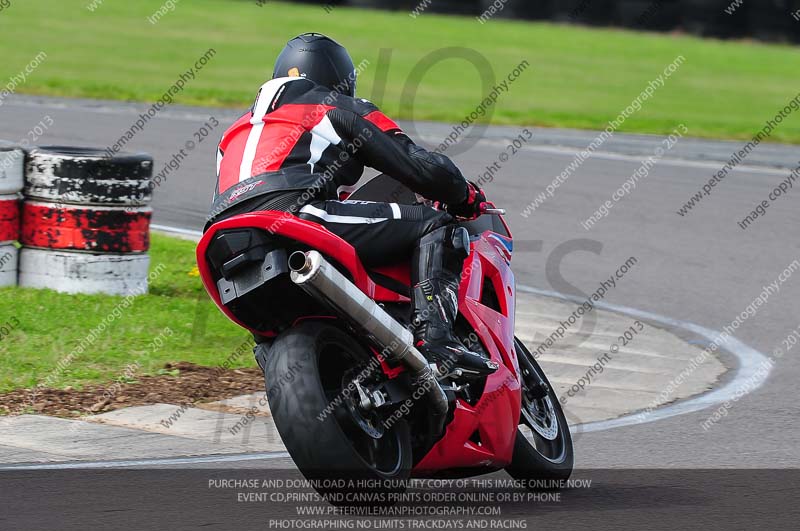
pixel 435 276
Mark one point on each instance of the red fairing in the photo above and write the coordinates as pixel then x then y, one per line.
pixel 290 226
pixel 495 415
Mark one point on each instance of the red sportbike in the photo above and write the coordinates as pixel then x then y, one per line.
pixel 349 393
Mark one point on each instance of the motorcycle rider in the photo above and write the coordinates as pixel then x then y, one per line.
pixel 307 139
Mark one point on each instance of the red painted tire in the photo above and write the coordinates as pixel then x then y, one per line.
pixel 89 228
pixel 9 218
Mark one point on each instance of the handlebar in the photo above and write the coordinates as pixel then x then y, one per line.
pixel 485 208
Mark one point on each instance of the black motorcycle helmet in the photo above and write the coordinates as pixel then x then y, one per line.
pixel 320 59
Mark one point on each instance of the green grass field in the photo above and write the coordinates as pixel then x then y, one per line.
pixel 578 77
pixel 51 325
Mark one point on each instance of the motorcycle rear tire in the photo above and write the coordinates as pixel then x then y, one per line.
pixel 300 367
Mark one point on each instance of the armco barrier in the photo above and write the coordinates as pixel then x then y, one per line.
pixel 85 223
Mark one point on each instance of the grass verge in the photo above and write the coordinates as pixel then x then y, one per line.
pixel 579 77
pixel 52 325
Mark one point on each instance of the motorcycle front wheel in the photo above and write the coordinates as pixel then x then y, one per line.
pixel 543 447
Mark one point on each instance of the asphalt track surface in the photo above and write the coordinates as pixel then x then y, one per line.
pixel 700 269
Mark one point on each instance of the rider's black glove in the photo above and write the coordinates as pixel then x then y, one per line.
pixel 471 207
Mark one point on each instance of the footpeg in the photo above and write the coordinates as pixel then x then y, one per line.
pixel 473 369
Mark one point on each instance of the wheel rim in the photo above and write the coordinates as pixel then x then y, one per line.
pixel 539 422
pixel 540 416
pixel 378 447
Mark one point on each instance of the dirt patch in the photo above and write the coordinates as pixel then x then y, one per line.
pixel 188 383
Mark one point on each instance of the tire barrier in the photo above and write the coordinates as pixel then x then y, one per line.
pixel 12 162
pixel 74 272
pixel 9 257
pixel 85 223
pixel 9 218
pixel 86 228
pixel 85 176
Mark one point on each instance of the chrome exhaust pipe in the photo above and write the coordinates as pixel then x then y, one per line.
pixel 317 277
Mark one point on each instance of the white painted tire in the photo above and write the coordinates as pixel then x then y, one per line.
pixel 76 272
pixel 12 162
pixel 9 256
